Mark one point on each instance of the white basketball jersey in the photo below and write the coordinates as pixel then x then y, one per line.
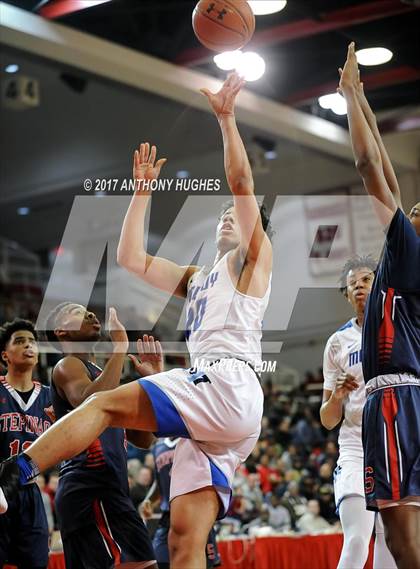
pixel 222 322
pixel 343 354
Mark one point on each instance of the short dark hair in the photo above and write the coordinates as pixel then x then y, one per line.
pixel 356 262
pixel 51 321
pixel 265 218
pixel 9 328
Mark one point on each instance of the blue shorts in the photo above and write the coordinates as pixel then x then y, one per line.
pixel 391 444
pixel 24 530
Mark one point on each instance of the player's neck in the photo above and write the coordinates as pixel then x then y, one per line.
pixel 219 255
pixel 360 316
pixel 20 379
pixel 77 349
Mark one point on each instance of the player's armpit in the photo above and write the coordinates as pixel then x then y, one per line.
pixel 71 380
pixel 140 439
pixel 376 186
pixel 161 273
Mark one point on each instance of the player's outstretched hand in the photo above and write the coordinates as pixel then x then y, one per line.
pixel 349 75
pixel 117 332
pixel 150 358
pixel 49 411
pixel 146 509
pixel 223 102
pixel 346 383
pixel 145 166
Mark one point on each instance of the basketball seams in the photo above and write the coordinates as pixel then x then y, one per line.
pixel 245 22
pixel 222 25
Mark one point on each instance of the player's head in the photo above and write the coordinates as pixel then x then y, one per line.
pixel 18 344
pixel 71 322
pixel 414 217
pixel 356 280
pixel 228 232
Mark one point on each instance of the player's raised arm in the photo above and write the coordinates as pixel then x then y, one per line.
pixel 365 148
pixel 238 170
pixel 131 254
pixel 388 169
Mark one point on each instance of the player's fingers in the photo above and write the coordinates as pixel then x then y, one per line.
pixel 112 315
pixel 136 158
pixel 152 345
pixel 146 346
pixel 152 156
pixel 136 362
pixel 159 164
pixel 140 347
pixel 206 93
pixel 141 153
pixel 159 349
pixel 146 151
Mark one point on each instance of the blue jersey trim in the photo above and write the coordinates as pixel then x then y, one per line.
pixel 224 491
pixel 170 422
pixel 348 324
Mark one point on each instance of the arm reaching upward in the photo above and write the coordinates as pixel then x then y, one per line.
pixel 388 169
pixel 254 241
pixel 365 148
pixel 131 253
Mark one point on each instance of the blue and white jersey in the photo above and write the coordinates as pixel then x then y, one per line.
pixel 221 321
pixel 391 331
pixel 343 354
pixel 163 453
pixel 21 423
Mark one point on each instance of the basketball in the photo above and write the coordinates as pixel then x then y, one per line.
pixel 223 25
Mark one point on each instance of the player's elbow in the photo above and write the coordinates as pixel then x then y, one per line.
pixel 241 185
pixel 128 261
pixel 368 163
pixel 326 421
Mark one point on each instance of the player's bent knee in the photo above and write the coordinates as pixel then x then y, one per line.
pixel 101 401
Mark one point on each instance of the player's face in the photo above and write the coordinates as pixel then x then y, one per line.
pixel 79 324
pixel 228 234
pixel 21 350
pixel 359 284
pixel 414 217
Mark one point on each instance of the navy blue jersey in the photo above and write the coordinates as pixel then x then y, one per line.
pixel 104 463
pixel 391 331
pixel 163 453
pixel 21 423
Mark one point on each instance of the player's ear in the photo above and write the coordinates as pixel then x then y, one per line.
pixel 59 333
pixel 4 356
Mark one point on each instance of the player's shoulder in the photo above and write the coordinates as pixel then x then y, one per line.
pixel 44 390
pixel 337 336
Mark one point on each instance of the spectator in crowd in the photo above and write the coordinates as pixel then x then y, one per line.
pixel 141 487
pixel 294 502
pixel 279 516
pixel 312 521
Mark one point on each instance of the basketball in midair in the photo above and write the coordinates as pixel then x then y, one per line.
pixel 223 25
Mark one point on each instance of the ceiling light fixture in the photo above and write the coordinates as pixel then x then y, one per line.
pixel 374 56
pixel 334 102
pixel 12 68
pixel 251 66
pixel 227 60
pixel 263 7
